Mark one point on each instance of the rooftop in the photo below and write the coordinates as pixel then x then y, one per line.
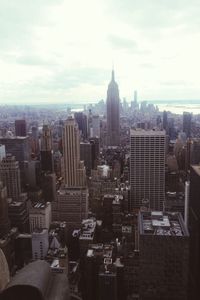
pixel 162 223
pixel 105 251
pixel 88 229
pixel 142 132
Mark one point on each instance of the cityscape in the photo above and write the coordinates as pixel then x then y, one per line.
pixel 99 150
pixel 104 201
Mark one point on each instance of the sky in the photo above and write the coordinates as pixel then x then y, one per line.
pixel 61 51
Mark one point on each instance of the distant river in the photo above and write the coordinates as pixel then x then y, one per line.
pixel 178 107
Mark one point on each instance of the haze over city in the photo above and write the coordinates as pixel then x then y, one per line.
pixel 63 51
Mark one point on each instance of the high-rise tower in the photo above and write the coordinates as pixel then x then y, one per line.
pixel 46 152
pixel 20 128
pixel 113 133
pixel 194 230
pixel 147 168
pixel 10 176
pixel 187 121
pixel 73 168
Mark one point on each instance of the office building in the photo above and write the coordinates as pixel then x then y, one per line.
pixel 165 121
pixel 195 151
pixel 86 156
pixel 94 276
pixel 194 230
pixel 187 120
pixel 18 215
pixel 32 172
pixel 35 138
pixel 20 128
pixel 40 216
pixel 73 168
pixel 71 206
pixel 147 169
pixel 108 281
pixel 17 146
pixel 113 121
pixel 57 160
pixel 40 243
pixel 81 120
pixel 163 256
pixel 10 176
pixel 48 183
pixel 46 153
pixel 95 151
pixel 2 152
pixel 95 126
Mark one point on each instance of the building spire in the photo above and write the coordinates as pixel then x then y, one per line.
pixel 113 75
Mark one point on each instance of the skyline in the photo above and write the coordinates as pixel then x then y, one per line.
pixel 60 51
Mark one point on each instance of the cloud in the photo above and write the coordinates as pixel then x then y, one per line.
pixel 53 49
pixel 122 42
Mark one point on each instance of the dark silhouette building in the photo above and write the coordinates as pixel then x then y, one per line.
pixel 165 121
pixel 194 229
pixel 113 132
pixel 81 120
pixel 18 215
pixel 187 119
pixel 108 282
pixel 164 256
pixel 86 156
pixel 46 153
pixel 20 128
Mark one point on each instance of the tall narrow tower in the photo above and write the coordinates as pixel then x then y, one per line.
pixel 113 134
pixel 73 168
pixel 46 152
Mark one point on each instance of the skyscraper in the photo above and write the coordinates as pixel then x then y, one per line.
pixel 46 152
pixel 187 119
pixel 86 156
pixel 71 206
pixel 113 132
pixel 20 128
pixel 17 146
pixel 95 126
pixel 194 230
pixel 81 120
pixel 10 176
pixel 73 168
pixel 147 168
pixel 165 120
pixel 164 256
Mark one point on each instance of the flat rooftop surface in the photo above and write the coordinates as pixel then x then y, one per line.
pixel 162 223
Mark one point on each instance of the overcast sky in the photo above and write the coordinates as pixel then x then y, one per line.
pixel 62 51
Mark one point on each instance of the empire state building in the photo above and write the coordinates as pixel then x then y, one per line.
pixel 113 135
